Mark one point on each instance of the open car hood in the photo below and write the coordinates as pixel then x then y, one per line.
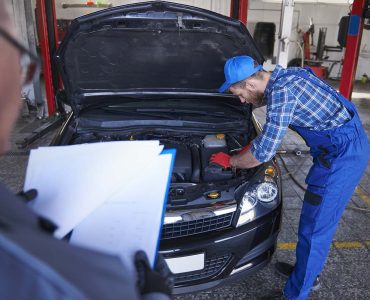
pixel 152 46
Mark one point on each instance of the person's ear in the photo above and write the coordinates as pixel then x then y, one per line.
pixel 250 85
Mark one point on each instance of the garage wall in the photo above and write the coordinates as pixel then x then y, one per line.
pixel 220 6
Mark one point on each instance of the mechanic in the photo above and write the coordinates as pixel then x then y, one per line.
pixel 331 127
pixel 34 265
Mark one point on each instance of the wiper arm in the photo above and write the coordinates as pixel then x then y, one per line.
pixel 185 111
pixel 166 112
pixel 118 110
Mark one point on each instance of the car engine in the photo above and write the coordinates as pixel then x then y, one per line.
pixel 192 160
pixel 192 157
pixel 192 152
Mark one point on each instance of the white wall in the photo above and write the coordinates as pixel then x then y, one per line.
pixel 324 15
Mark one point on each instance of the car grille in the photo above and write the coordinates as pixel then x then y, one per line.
pixel 212 267
pixel 182 229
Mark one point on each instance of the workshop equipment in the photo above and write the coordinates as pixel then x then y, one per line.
pixel 264 36
pixel 48 42
pixel 360 11
pixel 286 21
pixel 297 152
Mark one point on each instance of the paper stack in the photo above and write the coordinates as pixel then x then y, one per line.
pixel 112 195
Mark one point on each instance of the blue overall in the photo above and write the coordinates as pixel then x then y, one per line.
pixel 340 157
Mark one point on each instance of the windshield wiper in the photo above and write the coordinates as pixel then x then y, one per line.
pixel 186 111
pixel 119 110
pixel 164 112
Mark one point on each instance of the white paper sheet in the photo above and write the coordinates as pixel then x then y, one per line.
pixel 132 218
pixel 72 181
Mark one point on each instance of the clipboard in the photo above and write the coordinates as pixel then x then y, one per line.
pixel 141 195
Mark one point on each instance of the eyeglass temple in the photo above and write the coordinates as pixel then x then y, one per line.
pixel 18 45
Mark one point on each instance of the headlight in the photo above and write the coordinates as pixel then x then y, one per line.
pixel 266 191
pixel 246 207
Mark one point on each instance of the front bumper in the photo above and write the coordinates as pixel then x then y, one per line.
pixel 229 254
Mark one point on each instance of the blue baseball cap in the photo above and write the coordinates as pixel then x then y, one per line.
pixel 238 68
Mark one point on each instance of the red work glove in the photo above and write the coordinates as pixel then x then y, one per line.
pixel 245 148
pixel 220 159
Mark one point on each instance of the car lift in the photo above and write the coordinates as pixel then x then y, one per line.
pixel 48 40
pixel 286 21
pixel 360 11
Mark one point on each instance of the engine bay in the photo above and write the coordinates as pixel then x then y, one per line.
pixel 193 151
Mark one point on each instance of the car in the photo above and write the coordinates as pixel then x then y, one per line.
pixel 151 71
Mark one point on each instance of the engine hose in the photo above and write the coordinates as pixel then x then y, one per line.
pixel 304 189
pixel 195 159
pixel 291 174
pixel 297 168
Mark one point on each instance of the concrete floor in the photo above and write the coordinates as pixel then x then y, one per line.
pixel 347 272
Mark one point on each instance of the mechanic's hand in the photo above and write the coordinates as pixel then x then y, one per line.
pixel 245 148
pixel 28 196
pixel 159 280
pixel 220 159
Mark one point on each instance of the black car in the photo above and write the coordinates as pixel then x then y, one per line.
pixel 150 71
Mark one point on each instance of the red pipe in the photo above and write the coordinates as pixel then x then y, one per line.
pixel 242 12
pixel 353 42
pixel 306 44
pixel 45 55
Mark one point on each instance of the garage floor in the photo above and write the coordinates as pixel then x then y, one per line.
pixel 347 271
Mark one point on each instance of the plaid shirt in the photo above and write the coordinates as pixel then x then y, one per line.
pixel 296 101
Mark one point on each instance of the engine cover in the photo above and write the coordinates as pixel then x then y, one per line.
pixel 182 169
